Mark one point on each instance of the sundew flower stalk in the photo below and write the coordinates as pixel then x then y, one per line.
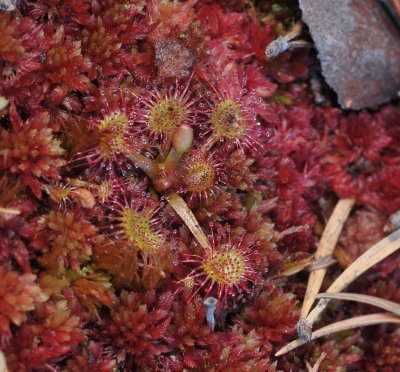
pixel 152 157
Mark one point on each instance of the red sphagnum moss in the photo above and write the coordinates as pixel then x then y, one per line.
pixel 110 110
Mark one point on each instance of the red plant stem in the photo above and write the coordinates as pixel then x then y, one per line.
pixel 145 164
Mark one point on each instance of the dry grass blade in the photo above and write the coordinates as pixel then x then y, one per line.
pixel 3 363
pixel 343 325
pixel 315 368
pixel 375 254
pixel 180 207
pixel 393 307
pixel 326 247
pixel 296 267
pixel 306 264
pixel 10 211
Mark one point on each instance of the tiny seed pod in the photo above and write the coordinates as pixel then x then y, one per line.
pixel 3 102
pixel 8 6
pixel 285 42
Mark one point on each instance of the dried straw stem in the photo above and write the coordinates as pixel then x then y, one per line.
pixel 3 363
pixel 326 247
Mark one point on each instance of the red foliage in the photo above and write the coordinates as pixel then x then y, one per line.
pixel 26 351
pixel 169 17
pixel 64 65
pixel 188 332
pixel 31 151
pixel 18 294
pixel 354 153
pixel 14 229
pixel 139 324
pixel 360 233
pixel 92 357
pixel 65 240
pixel 110 86
pixel 242 351
pixel 11 48
pixel 274 315
pixel 341 350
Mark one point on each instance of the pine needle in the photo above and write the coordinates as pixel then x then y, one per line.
pixel 391 306
pixel 372 256
pixel 343 325
pixel 3 363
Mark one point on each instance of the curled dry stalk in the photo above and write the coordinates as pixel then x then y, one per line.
pixel 326 247
pixel 372 256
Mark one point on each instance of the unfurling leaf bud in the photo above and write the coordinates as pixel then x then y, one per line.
pixel 182 138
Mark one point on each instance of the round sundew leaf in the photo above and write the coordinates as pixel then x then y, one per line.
pixel 116 121
pixel 200 175
pixel 166 115
pixel 113 134
pixel 225 268
pixel 137 228
pixel 228 120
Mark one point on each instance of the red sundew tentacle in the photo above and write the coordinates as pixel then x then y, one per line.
pixel 198 290
pixel 192 255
